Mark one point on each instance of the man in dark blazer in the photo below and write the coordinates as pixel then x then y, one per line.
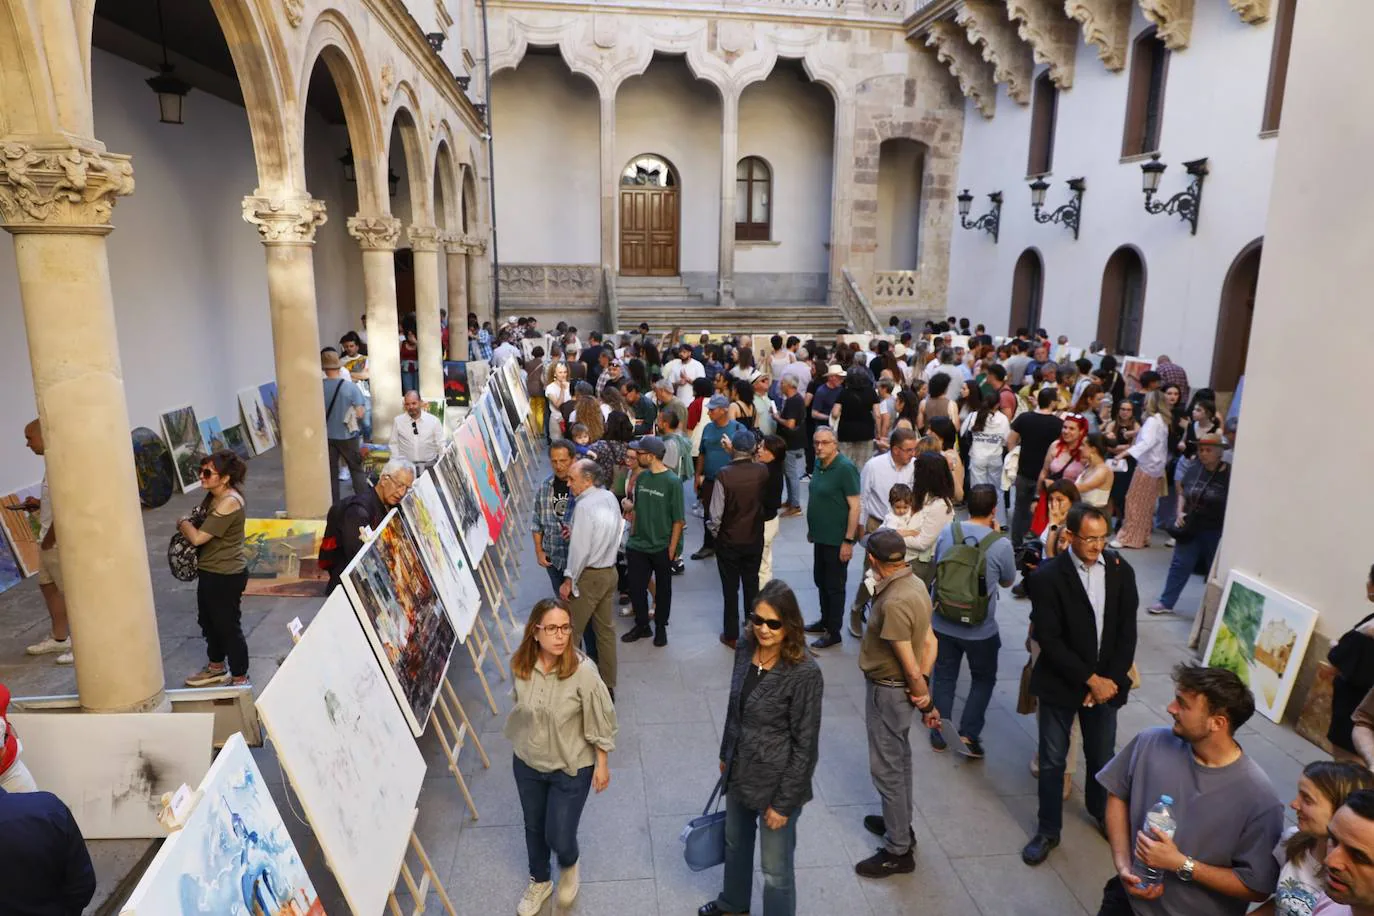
pixel 1083 608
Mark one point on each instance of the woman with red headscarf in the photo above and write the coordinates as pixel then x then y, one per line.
pixel 1063 461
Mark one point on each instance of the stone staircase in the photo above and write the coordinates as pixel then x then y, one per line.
pixel 654 289
pixel 665 303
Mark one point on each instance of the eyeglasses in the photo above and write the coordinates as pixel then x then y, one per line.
pixel 771 623
pixel 1098 541
pixel 555 629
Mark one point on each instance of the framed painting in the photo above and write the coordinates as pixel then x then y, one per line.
pixel 256 421
pixel 153 468
pixel 441 549
pixel 456 391
pixel 212 434
pixel 22 527
pixel 182 432
pixel 268 391
pixel 472 449
pixel 517 386
pixel 1261 635
pixel 236 443
pixel 283 557
pixel 435 407
pixel 460 499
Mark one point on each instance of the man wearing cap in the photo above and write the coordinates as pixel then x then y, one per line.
pixel 711 457
pixel 735 515
pixel 681 372
pixel 342 399
pixel 826 395
pixel 896 655
pixel 832 527
pixel 656 529
pixel 613 371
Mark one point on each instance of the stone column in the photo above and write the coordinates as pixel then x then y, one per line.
pixel 424 248
pixel 287 225
pixel 56 200
pixel 377 237
pixel 479 266
pixel 842 180
pixel 610 181
pixel 729 156
pixel 456 253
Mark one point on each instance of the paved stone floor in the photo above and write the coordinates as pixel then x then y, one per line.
pixel 972 817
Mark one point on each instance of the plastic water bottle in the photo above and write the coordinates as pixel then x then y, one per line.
pixel 1159 821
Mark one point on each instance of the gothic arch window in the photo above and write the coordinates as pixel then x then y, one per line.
pixel 753 200
pixel 1027 291
pixel 1121 310
pixel 1145 97
pixel 1044 111
pixel 1278 65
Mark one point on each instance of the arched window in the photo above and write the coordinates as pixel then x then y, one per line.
pixel 753 200
pixel 1278 64
pixel 1121 310
pixel 649 171
pixel 1044 109
pixel 1027 291
pixel 1145 97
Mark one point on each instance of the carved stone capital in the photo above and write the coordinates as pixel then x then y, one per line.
pixel 424 238
pixel 1052 36
pixel 987 25
pixel 295 12
pixel 375 233
pixel 454 243
pixel 476 244
pixel 1251 11
pixel 285 220
pixel 1106 25
pixel 60 188
pixel 1173 20
pixel 973 73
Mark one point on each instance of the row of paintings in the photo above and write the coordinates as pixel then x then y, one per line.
pixel 173 461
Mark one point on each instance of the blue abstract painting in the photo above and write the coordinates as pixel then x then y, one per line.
pixel 10 573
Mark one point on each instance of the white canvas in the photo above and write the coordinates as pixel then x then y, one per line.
pixel 432 530
pixel 233 856
pixel 347 751
pixel 257 423
pixel 112 770
pixel 1261 635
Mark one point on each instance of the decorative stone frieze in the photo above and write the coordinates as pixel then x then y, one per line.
pixel 987 25
pixel 1173 21
pixel 1252 11
pixel 285 220
pixel 60 188
pixel 952 46
pixel 423 238
pixel 1053 37
pixel 375 233
pixel 550 283
pixel 1106 25
pixel 295 12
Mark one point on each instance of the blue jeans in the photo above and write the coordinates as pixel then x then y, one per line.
pixel 1099 745
pixel 552 803
pixel 777 849
pixel 556 577
pixel 982 669
pixel 1187 555
pixel 793 463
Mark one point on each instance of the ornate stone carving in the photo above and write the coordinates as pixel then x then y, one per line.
pixel 423 238
pixel 1052 37
pixel 973 73
pixel 285 220
pixel 1010 58
pixel 388 78
pixel 375 233
pixel 60 187
pixel 454 243
pixel 1106 24
pixel 476 244
pixel 1173 20
pixel 550 283
pixel 295 12
pixel 1252 11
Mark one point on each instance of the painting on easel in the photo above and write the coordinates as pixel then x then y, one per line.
pixel 429 524
pixel 460 498
pixel 482 471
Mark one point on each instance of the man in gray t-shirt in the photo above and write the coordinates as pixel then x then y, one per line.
pixel 1228 815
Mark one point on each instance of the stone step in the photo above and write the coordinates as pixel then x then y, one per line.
pixel 802 319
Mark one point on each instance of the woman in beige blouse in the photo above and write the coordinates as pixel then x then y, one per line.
pixel 562 730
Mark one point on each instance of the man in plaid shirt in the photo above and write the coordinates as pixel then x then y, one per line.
pixel 550 525
pixel 1171 373
pixel 479 340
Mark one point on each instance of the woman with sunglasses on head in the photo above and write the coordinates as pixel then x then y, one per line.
pixel 768 753
pixel 562 730
pixel 1063 461
pixel 223 569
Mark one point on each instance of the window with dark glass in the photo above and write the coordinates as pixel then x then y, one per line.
pixel 1278 64
pixel 1145 97
pixel 1044 110
pixel 753 200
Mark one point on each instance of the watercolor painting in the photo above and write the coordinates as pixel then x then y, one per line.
pixel 404 617
pixel 347 752
pixel 283 557
pixel 256 421
pixel 472 448
pixel 429 525
pixel 233 856
pixel 153 468
pixel 234 441
pixel 268 390
pixel 22 528
pixel 460 499
pixel 182 432
pixel 456 391
pixel 212 434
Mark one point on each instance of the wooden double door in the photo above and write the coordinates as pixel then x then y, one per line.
pixel 648 231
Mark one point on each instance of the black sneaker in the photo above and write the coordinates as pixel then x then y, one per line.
pixel 817 627
pixel 825 642
pixel 972 748
pixel 636 633
pixel 661 637
pixel 704 553
pixel 875 824
pixel 937 740
pixel 883 864
pixel 1038 849
pixel 678 567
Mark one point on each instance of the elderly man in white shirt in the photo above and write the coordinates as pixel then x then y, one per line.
pixel 881 472
pixel 417 435
pixel 590 579
pixel 504 352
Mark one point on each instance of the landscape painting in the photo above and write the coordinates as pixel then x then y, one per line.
pixel 436 408
pixel 460 499
pixel 268 391
pixel 256 421
pixel 404 617
pixel 430 527
pixel 213 436
pixel 1261 635
pixel 234 441
pixel 456 391
pixel 182 432
pixel 22 527
pixel 482 472
pixel 232 856
pixel 347 751
pixel 283 557
pixel 153 467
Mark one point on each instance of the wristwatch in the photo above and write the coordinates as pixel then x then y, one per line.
pixel 850 540
pixel 1185 871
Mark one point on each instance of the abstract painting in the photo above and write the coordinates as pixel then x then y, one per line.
pixel 213 436
pixel 456 392
pixel 460 499
pixel 485 426
pixel 1132 369
pixel 10 573
pixel 256 421
pixel 22 527
pixel 268 390
pixel 234 441
pixel 404 617
pixel 233 856
pixel 432 529
pixel 111 769
pixel 482 472
pixel 153 467
pixel 347 751
pixel 1261 636
pixel 182 432
pixel 283 557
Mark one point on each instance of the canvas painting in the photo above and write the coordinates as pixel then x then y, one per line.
pixel 404 617
pixel 482 472
pixel 22 527
pixel 460 499
pixel 233 856
pixel 347 752
pixel 494 425
pixel 503 389
pixel 478 372
pixel 256 421
pixel 1315 719
pixel 112 769
pixel 1131 370
pixel 1261 636
pixel 213 435
pixel 430 527
pixel 456 391
pixel 485 427
pixel 153 468
pixel 283 557
pixel 182 432
pixel 234 441
pixel 436 408
pixel 10 573
pixel 268 390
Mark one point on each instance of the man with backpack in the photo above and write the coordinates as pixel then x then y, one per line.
pixel 343 539
pixel 972 559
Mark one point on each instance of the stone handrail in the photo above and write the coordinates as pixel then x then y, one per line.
pixel 855 307
pixel 894 288
pixel 610 301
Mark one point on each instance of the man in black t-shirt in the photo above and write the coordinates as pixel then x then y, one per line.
pixel 792 429
pixel 1035 432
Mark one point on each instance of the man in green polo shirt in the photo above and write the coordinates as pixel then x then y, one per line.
pixel 658 521
pixel 832 526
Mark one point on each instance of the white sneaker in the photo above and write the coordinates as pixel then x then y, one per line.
pixel 1171 543
pixel 627 611
pixel 534 898
pixel 50 645
pixel 568 885
pixel 66 658
pixel 1114 544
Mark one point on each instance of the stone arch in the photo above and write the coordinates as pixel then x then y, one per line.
pixel 333 40
pixel 404 117
pixel 1234 317
pixel 448 208
pixel 250 44
pixel 469 208
pixel 26 106
pixel 1027 291
pixel 1121 309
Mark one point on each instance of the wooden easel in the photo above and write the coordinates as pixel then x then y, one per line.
pixel 419 891
pixel 496 597
pixel 461 731
pixel 478 635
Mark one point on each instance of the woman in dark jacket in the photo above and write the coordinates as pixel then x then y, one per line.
pixel 768 754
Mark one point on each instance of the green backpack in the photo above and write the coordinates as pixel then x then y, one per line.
pixel 961 585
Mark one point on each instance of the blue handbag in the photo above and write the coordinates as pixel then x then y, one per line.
pixel 703 838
